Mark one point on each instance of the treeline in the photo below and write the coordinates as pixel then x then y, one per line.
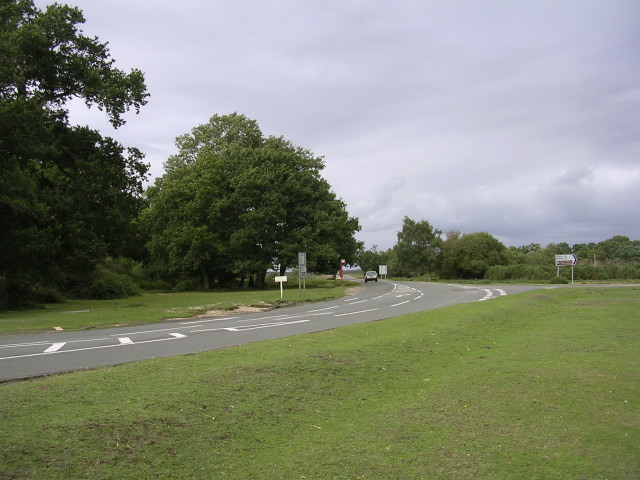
pixel 76 220
pixel 423 252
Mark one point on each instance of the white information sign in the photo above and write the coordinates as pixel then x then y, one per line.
pixel 281 280
pixel 565 260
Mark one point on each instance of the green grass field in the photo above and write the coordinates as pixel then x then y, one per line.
pixel 158 306
pixel 541 385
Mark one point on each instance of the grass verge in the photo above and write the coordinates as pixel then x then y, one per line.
pixel 538 385
pixel 154 307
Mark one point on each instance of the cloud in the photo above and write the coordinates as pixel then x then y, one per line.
pixel 515 118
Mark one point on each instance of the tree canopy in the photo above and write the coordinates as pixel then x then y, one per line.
pixel 67 195
pixel 418 248
pixel 235 204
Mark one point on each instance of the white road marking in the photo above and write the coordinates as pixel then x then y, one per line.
pixel 55 347
pixel 401 303
pixel 323 309
pixel 249 327
pixel 488 295
pixel 86 348
pixel 355 313
pixel 125 340
pixel 193 322
pixel 501 292
pixel 178 335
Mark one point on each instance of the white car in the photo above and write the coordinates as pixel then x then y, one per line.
pixel 371 276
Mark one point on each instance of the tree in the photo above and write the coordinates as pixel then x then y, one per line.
pixel 418 248
pixel 46 60
pixel 232 202
pixel 477 252
pixel 448 267
pixel 67 195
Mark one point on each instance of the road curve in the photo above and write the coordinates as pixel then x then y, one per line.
pixel 33 355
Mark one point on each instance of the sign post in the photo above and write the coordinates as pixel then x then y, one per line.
pixel 280 280
pixel 341 264
pixel 565 261
pixel 383 270
pixel 302 271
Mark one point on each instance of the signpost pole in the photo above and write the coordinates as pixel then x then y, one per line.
pixel 302 271
pixel 280 280
pixel 565 261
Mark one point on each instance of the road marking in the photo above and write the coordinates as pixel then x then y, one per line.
pixel 501 292
pixel 401 303
pixel 488 294
pixel 193 322
pixel 178 335
pixel 55 347
pixel 85 349
pixel 355 313
pixel 242 328
pixel 323 309
pixel 351 299
pixel 125 340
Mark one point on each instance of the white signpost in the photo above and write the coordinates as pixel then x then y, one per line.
pixel 280 280
pixel 382 269
pixel 302 271
pixel 565 261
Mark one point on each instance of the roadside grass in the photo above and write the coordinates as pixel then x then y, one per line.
pixel 540 385
pixel 156 306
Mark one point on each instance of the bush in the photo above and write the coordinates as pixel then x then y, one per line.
pixel 105 284
pixel 559 281
pixel 519 272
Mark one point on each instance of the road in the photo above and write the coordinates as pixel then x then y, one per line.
pixel 32 355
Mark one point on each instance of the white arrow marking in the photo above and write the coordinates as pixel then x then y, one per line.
pixel 125 340
pixel 488 295
pixel 55 347
pixel 178 335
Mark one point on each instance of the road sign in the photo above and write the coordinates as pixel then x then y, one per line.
pixel 565 260
pixel 302 264
pixel 280 280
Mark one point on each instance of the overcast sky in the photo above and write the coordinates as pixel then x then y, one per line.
pixel 516 118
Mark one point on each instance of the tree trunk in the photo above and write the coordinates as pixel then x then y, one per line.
pixel 260 276
pixel 205 278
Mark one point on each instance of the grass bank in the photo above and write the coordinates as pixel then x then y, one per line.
pixel 538 385
pixel 158 306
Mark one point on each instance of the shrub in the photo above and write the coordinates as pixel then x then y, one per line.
pixel 106 284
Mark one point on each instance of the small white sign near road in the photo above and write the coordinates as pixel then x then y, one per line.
pixel 280 280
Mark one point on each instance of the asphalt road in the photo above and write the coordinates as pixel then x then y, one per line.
pixel 32 355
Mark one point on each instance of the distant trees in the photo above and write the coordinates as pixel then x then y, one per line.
pixel 233 204
pixel 67 195
pixel 422 252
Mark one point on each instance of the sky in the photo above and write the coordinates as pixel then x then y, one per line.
pixel 516 118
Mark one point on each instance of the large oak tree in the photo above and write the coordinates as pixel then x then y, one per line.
pixel 235 204
pixel 67 195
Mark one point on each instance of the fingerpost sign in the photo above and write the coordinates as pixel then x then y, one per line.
pixel 565 261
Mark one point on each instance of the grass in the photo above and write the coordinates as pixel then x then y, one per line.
pixel 540 385
pixel 154 307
